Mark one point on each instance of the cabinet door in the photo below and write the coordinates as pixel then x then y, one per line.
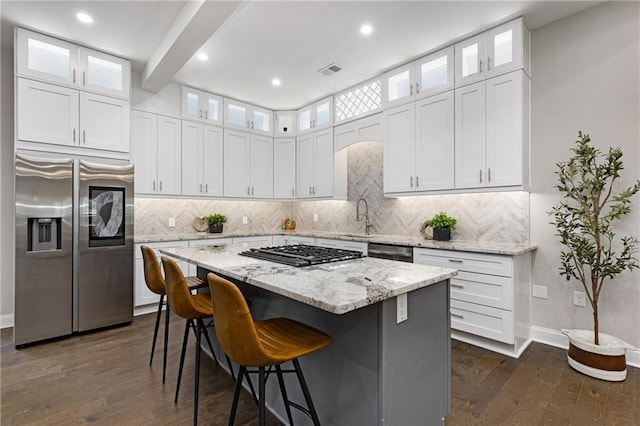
pixel 169 155
pixel 46 58
pixel 470 59
pixel 192 103
pixel 435 143
pixel 285 123
pixel 47 113
pixel 104 122
pixel 104 73
pixel 399 148
pixel 142 294
pixel 144 137
pixel 261 120
pixel 323 153
pixel 236 114
pixel 192 161
pixel 304 119
pixel 284 168
pixel 398 85
pixel 211 106
pixel 505 48
pixel 261 167
pixel 470 146
pixel 305 165
pixel 212 161
pixel 323 113
pixel 435 73
pixel 236 167
pixel 504 129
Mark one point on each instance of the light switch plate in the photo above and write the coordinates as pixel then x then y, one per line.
pixel 315 217
pixel 245 220
pixel 401 308
pixel 539 291
pixel 172 222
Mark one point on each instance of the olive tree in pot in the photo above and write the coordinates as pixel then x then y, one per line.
pixel 592 255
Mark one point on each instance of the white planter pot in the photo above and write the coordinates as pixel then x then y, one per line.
pixel 606 361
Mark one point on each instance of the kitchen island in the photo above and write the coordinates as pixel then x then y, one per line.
pixel 377 370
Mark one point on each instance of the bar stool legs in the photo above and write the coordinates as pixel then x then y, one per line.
pixel 161 303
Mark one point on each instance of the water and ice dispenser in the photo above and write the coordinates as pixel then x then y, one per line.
pixel 44 234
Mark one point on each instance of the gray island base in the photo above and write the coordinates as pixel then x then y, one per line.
pixel 376 371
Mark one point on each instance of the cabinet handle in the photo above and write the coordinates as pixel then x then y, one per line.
pixel 206 188
pixel 252 125
pixel 84 78
pixel 455 261
pixel 74 75
pixel 154 185
pixel 206 114
pixel 160 186
pixel 457 285
pixel 411 181
pixel 200 188
pixel 310 191
pixel 74 135
pixel 248 126
pixel 200 113
pixel 417 181
pixel 248 190
pixel 457 315
pixel 489 175
pixel 480 175
pixel 411 90
pixel 480 66
pixel 489 63
pixel 84 137
pixel 417 88
pixel 314 190
pixel 293 192
pixel 252 190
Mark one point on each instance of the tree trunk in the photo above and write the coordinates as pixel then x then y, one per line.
pixel 596 339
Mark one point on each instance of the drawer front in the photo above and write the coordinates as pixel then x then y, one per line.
pixel 487 290
pixel 491 323
pixel 481 263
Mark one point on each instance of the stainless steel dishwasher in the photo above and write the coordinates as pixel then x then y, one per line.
pixel 391 252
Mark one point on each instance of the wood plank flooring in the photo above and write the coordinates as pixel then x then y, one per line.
pixel 104 378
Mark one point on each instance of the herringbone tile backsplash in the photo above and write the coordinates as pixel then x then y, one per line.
pixel 500 217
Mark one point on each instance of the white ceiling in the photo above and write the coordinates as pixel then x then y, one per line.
pixel 250 43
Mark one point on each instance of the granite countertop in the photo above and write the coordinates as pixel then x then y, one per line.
pixel 337 287
pixel 510 249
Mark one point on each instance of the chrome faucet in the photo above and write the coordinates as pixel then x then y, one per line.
pixel 367 224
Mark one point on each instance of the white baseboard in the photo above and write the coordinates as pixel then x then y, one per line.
pixel 556 338
pixel 6 321
pixel 146 309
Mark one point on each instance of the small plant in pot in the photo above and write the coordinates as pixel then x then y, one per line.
pixel 442 225
pixel 593 256
pixel 215 222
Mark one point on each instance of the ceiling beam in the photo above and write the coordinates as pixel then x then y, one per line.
pixel 197 22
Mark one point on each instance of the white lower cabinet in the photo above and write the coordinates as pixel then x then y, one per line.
pixel 141 293
pixel 489 297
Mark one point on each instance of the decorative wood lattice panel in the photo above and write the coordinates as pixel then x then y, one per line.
pixel 358 101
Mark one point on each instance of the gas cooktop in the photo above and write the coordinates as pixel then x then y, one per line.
pixel 301 255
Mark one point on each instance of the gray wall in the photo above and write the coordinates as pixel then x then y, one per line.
pixel 585 77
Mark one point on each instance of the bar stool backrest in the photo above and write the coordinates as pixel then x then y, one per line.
pixel 180 298
pixel 152 272
pixel 235 329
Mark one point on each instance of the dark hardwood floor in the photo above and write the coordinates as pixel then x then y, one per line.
pixel 104 377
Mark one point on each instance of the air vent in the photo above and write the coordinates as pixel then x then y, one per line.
pixel 329 70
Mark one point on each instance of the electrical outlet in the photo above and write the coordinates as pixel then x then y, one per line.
pixel 539 291
pixel 579 298
pixel 315 217
pixel 172 222
pixel 401 308
pixel 245 220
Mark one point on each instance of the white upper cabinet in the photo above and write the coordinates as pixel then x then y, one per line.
pixel 424 77
pixel 201 106
pixel 316 116
pixel 248 165
pixel 315 160
pixel 49 59
pixel 499 50
pixel 248 117
pixel 491 136
pixel 104 122
pixel 285 123
pixel 284 168
pixel 201 159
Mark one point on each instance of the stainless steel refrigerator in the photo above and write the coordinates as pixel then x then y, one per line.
pixel 74 246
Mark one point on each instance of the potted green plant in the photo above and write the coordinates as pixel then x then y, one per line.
pixel 593 256
pixel 442 225
pixel 215 222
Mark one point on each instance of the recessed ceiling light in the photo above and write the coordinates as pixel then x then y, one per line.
pixel 276 82
pixel 202 56
pixel 83 17
pixel 366 29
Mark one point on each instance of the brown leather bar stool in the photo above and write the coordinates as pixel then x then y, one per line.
pixel 155 282
pixel 267 343
pixel 194 308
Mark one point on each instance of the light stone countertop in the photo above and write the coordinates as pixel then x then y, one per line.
pixel 337 287
pixel 509 249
